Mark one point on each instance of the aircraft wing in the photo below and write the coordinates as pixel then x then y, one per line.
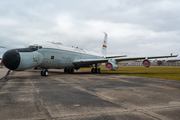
pixel 141 58
pixel 94 61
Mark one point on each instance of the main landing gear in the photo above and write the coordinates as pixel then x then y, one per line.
pixel 95 70
pixel 44 72
pixel 68 70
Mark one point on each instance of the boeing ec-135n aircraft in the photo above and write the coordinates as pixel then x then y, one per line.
pixel 47 55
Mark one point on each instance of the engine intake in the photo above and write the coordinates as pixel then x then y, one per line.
pixel 146 63
pixel 111 66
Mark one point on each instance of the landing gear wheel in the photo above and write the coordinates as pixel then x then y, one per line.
pixel 92 70
pixel 71 70
pixel 44 73
pixel 95 70
pixel 98 70
pixel 65 70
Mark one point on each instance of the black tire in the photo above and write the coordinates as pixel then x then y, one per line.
pixel 42 73
pixel 94 70
pixel 65 70
pixel 69 70
pixel 72 70
pixel 46 73
pixel 98 70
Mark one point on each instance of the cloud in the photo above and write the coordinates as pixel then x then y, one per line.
pixel 135 28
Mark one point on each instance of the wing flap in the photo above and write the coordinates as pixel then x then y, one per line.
pixel 89 61
pixel 116 56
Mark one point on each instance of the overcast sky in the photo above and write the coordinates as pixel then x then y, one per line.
pixel 134 27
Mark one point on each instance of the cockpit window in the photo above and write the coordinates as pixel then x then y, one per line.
pixel 32 46
pixel 37 47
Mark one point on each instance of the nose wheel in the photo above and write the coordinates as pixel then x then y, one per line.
pixel 44 72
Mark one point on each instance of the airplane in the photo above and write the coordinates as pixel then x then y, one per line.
pixel 47 55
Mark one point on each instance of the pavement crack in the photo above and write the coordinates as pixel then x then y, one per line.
pixel 41 101
pixel 154 115
pixel 92 93
pixel 126 106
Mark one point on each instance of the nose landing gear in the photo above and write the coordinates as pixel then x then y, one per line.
pixel 44 72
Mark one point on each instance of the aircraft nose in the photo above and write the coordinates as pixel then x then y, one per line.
pixel 11 59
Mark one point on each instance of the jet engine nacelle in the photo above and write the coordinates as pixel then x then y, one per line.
pixel 111 66
pixel 146 63
pixel 22 59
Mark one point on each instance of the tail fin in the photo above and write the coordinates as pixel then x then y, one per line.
pixel 104 47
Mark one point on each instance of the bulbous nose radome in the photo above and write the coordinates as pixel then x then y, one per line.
pixel 11 59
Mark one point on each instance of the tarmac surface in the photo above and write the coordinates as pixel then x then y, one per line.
pixel 86 96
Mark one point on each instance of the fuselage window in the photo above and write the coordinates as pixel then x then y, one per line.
pixel 52 57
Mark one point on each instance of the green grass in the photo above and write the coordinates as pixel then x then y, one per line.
pixel 164 72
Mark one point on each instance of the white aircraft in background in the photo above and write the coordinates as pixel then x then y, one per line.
pixel 49 55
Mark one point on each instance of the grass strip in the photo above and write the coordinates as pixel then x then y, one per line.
pixel 163 72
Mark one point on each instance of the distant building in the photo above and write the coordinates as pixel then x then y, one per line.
pixel 171 63
pixel 131 63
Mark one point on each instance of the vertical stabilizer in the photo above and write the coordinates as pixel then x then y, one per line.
pixel 104 47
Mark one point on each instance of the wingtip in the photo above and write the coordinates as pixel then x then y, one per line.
pixel 174 55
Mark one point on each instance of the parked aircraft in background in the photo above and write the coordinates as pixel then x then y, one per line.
pixel 49 55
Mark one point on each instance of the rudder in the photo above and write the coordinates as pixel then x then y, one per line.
pixel 104 47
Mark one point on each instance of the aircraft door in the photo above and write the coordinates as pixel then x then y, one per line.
pixel 45 62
